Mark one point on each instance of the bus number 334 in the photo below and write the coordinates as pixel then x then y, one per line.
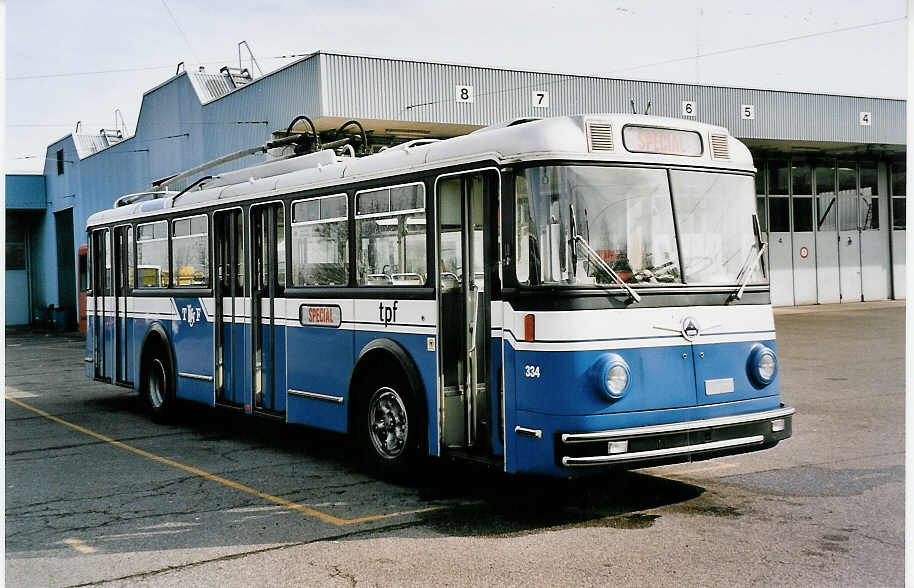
pixel 532 371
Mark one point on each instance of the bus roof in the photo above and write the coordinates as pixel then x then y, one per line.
pixel 623 138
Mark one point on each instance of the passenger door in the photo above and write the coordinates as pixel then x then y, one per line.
pixel 123 263
pixel 267 279
pixel 102 356
pixel 229 327
pixel 466 206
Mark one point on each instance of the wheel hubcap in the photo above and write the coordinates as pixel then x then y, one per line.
pixel 388 426
pixel 156 383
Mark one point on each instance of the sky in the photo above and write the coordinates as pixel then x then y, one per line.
pixel 70 61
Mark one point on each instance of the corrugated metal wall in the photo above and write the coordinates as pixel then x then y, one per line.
pixel 180 126
pixel 391 89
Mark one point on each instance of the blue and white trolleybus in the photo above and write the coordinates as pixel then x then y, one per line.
pixel 549 296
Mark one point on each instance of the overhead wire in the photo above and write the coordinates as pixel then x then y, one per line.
pixel 676 60
pixel 137 69
pixel 180 30
pixel 619 70
pixel 432 102
pixel 168 124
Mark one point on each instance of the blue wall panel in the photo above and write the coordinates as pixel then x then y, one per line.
pixel 25 192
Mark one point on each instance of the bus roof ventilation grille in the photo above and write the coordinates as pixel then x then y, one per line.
pixel 600 136
pixel 720 147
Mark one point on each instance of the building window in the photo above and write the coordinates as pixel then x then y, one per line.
pixel 190 251
pixel 801 176
pixel 898 196
pixel 320 242
pixel 760 207
pixel 15 245
pixel 827 209
pixel 60 162
pixel 869 201
pixel 152 255
pixel 390 236
pixel 848 208
pixel 778 196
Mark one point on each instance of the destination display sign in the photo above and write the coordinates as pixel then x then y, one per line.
pixel 638 139
pixel 320 316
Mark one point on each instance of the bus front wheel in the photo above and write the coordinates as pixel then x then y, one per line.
pixel 390 428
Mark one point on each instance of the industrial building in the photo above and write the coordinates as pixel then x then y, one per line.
pixel 831 182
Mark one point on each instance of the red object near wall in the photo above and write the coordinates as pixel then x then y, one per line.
pixel 83 286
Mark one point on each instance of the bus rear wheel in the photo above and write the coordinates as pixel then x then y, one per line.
pixel 158 388
pixel 391 428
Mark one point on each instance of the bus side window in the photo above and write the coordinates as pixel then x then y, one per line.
pixel 109 282
pixel 320 241
pixel 131 269
pixel 190 251
pixel 391 236
pixel 523 237
pixel 152 255
pixel 85 268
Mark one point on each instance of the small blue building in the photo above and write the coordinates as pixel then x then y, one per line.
pixel 806 146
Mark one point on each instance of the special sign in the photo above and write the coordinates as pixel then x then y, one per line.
pixel 320 316
pixel 657 140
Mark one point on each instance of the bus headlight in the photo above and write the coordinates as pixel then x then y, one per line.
pixel 762 366
pixel 616 380
pixel 613 376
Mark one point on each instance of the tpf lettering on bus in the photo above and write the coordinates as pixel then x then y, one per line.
pixel 387 314
pixel 190 314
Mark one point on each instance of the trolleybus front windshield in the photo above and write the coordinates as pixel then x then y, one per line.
pixel 627 217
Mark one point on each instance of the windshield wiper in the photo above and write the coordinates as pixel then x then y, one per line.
pixel 595 258
pixel 752 261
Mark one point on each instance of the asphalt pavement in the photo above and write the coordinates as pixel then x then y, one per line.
pixel 98 495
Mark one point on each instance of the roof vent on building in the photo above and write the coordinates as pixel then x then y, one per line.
pixel 720 146
pixel 239 77
pixel 600 136
pixel 112 136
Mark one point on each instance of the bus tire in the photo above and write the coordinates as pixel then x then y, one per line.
pixel 158 386
pixel 390 426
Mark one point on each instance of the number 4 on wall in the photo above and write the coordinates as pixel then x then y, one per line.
pixel 866 119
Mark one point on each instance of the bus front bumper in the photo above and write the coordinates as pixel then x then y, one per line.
pixel 699 439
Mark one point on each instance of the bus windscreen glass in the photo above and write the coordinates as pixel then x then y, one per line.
pixel 626 216
pixel 714 217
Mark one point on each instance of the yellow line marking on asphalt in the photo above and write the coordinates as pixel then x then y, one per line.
pixel 307 511
pixel 78 545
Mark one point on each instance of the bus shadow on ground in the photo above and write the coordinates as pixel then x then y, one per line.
pixel 496 504
pixel 467 499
